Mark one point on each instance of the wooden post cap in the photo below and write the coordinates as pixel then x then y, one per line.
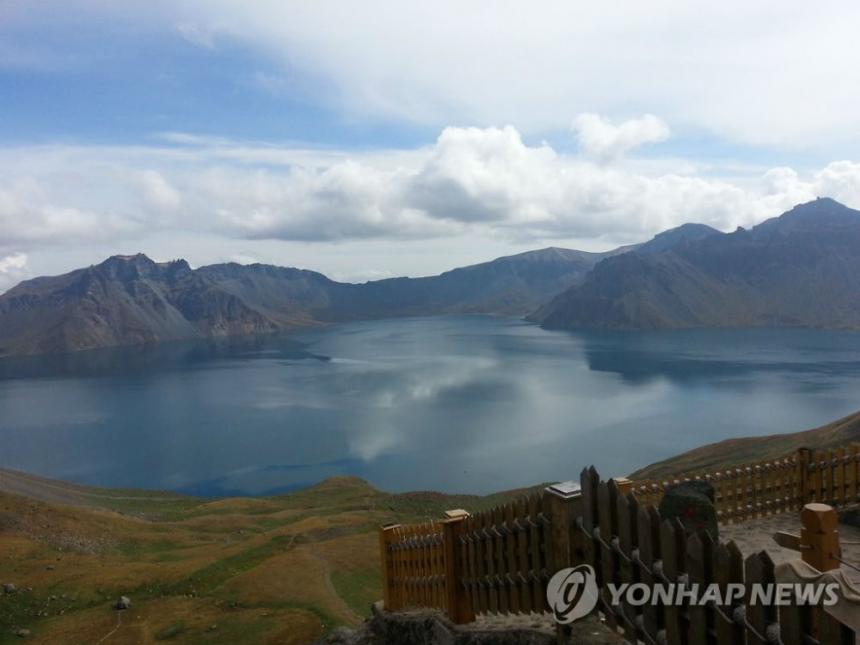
pixel 623 483
pixel 565 490
pixel 819 537
pixel 819 518
pixel 456 514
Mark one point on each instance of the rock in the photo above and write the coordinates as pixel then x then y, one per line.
pixel 22 633
pixel 692 503
pixel 50 567
pixel 9 588
pixel 850 517
pixel 124 602
pixel 342 636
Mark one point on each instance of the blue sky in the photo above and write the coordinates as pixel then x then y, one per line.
pixel 380 138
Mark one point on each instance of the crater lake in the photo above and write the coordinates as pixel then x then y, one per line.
pixel 458 403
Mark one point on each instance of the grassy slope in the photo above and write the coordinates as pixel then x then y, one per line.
pixel 275 570
pixel 732 452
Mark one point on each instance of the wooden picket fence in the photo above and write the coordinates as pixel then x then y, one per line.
pixel 415 561
pixel 628 542
pixel 775 486
pixel 499 561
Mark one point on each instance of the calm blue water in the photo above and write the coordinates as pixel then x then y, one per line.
pixel 472 404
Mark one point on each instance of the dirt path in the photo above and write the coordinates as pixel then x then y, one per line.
pixel 345 609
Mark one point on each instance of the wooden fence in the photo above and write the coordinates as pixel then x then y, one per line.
pixel 416 564
pixel 627 542
pixel 499 561
pixel 774 486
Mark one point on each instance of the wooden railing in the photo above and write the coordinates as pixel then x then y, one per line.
pixel 415 561
pixel 499 561
pixel 775 486
pixel 627 542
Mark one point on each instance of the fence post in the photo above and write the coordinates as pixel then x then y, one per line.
pixel 565 504
pixel 624 485
pixel 385 533
pixel 458 600
pixel 819 537
pixel 803 459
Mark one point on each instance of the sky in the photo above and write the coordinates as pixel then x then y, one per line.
pixel 372 139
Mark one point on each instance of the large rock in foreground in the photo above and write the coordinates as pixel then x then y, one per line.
pixel 692 503
pixel 431 627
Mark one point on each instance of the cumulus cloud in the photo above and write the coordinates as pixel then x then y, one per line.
pixel 476 183
pixel 599 138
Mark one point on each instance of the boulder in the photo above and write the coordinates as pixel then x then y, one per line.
pixel 692 503
pixel 850 517
pixel 9 588
pixel 124 602
pixel 22 633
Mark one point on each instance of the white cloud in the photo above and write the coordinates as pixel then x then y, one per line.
pixel 158 192
pixel 599 138
pixel 747 72
pixel 13 269
pixel 482 184
pixel 753 73
pixel 13 263
pixel 57 207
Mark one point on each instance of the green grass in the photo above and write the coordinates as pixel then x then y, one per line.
pixel 21 609
pixel 171 631
pixel 217 573
pixel 232 543
pixel 359 589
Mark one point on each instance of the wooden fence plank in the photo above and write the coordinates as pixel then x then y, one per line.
pixel 511 567
pixel 521 512
pixel 481 563
pixel 761 615
pixel 729 572
pixel 535 553
pixel 606 512
pixel 673 544
pixel 628 540
pixel 700 567
pixel 650 551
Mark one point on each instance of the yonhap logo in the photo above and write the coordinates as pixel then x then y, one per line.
pixel 572 593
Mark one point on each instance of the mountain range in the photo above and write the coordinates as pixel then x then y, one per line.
pixel 799 269
pixel 129 300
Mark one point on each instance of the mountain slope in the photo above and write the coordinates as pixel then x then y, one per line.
pixel 732 452
pixel 131 299
pixel 125 300
pixel 801 269
pixel 512 285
